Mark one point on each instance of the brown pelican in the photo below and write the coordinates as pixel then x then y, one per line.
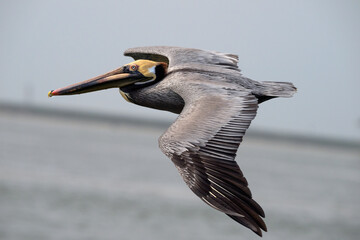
pixel 216 105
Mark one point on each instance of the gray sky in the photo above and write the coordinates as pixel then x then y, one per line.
pixel 314 44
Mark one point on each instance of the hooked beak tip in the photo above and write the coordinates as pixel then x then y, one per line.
pixel 50 93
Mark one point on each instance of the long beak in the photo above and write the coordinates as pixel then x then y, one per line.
pixel 113 79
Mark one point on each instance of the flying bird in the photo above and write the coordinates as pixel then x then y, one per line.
pixel 216 105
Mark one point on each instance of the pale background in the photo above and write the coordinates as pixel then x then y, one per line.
pixel 314 44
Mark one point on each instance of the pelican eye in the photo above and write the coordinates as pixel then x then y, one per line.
pixel 134 67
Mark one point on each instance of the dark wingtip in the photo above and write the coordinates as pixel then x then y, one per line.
pixel 258 231
pixel 256 228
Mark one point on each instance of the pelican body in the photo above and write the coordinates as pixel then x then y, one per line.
pixel 216 105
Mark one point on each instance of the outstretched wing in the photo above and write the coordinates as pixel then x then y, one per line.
pixel 203 141
pixel 181 56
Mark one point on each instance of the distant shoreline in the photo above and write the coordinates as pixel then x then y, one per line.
pixel 44 112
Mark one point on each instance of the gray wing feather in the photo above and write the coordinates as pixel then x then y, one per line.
pixel 179 56
pixel 203 142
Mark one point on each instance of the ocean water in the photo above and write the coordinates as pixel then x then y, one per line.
pixel 66 178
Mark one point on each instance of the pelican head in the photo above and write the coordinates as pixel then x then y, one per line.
pixel 140 72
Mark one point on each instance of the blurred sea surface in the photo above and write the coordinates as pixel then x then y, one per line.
pixel 70 178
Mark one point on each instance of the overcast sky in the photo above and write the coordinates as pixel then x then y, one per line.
pixel 314 44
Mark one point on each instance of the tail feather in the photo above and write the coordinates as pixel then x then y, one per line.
pixel 277 89
pixel 268 90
